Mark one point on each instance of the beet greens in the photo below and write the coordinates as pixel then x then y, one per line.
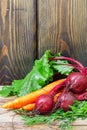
pixel 76 81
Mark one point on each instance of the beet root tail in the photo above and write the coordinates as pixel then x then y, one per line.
pixel 82 96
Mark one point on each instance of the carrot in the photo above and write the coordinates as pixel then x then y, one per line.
pixel 31 97
pixel 29 107
pixel 56 96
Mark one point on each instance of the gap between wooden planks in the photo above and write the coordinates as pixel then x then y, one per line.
pixel 6 118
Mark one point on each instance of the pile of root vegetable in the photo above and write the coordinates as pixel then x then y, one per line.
pixel 57 95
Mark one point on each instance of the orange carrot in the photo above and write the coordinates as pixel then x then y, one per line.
pixel 56 96
pixel 31 106
pixel 31 97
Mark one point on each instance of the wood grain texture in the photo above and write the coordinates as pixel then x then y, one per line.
pixel 10 121
pixel 29 27
pixel 17 38
pixel 62 27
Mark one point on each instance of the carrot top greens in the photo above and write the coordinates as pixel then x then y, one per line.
pixel 40 75
pixel 78 110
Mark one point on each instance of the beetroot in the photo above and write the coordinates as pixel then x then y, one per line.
pixel 44 104
pixel 82 96
pixel 64 101
pixel 76 82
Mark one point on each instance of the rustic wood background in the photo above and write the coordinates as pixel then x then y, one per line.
pixel 29 27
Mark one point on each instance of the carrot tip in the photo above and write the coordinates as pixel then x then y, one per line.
pixel 6 105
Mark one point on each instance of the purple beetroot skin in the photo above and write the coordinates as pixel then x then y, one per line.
pixel 64 101
pixel 44 104
pixel 76 82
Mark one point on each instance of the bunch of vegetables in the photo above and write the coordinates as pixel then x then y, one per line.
pixel 75 87
pixel 57 95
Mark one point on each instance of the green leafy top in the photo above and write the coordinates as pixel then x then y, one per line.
pixel 40 75
pixel 61 66
pixel 78 110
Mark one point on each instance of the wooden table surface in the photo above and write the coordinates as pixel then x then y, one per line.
pixel 6 118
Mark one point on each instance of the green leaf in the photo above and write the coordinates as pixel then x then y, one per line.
pixel 62 66
pixel 40 75
pixel 78 110
pixel 6 91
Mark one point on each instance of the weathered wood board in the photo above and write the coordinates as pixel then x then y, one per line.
pixel 29 27
pixel 62 26
pixel 17 38
pixel 10 121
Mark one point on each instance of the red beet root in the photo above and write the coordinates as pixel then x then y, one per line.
pixel 76 82
pixel 64 101
pixel 44 104
pixel 82 96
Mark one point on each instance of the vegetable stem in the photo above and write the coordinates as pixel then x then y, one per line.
pixel 82 69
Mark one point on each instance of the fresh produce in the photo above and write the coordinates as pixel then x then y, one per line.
pixel 65 119
pixel 31 106
pixel 65 100
pixel 41 104
pixel 76 82
pixel 82 96
pixel 31 97
pixel 28 107
pixel 45 103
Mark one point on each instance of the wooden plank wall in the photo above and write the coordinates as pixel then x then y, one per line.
pixel 62 26
pixel 29 27
pixel 17 38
